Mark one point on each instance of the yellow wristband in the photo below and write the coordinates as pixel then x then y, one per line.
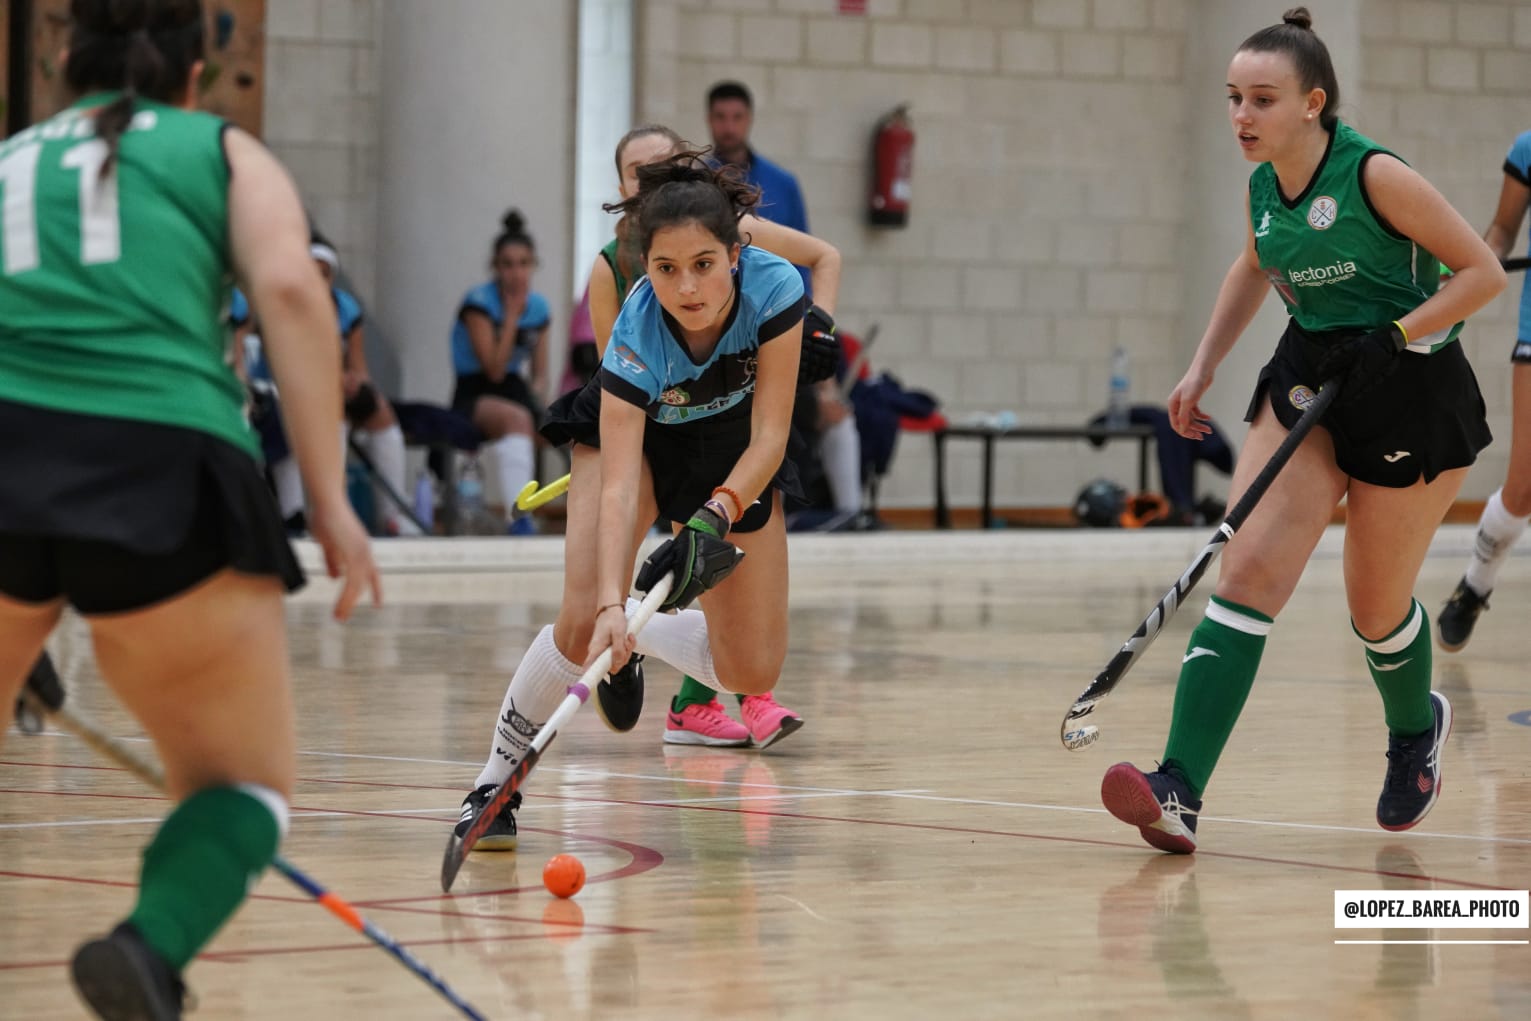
pixel 1402 331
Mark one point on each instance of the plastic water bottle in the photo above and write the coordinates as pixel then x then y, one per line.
pixel 425 500
pixel 470 495
pixel 1117 407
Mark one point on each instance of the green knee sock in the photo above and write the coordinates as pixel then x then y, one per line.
pixel 199 867
pixel 1401 664
pixel 1215 677
pixel 692 692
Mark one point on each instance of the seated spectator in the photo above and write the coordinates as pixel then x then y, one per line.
pixel 1178 457
pixel 500 336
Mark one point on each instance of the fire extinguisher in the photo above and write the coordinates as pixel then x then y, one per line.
pixel 892 165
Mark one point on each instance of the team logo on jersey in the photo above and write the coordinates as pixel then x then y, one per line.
pixel 1323 212
pixel 675 397
pixel 1265 225
pixel 630 360
pixel 1301 396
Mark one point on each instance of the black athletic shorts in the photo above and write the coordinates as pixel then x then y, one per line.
pixel 687 460
pixel 116 515
pixel 513 388
pixel 1425 418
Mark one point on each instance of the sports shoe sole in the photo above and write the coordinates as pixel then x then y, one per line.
pixel 1125 792
pixel 1445 646
pixel 1435 793
pixel 116 985
pixel 789 725
pixel 692 738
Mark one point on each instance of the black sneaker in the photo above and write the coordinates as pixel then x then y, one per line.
pixel 1413 779
pixel 1456 619
pixel 619 698
pixel 501 834
pixel 122 979
pixel 1159 804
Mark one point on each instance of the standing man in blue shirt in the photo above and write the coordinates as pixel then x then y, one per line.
pixel 730 114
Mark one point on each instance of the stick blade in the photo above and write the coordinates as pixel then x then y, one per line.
pixel 451 861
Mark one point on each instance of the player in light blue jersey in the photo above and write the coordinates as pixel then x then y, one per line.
pixel 1507 511
pixel 687 419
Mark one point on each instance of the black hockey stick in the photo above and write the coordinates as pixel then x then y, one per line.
pixel 1076 736
pixel 394 496
pixel 42 699
pixel 1519 262
pixel 457 848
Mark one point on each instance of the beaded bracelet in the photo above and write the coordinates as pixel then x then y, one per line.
pixel 738 503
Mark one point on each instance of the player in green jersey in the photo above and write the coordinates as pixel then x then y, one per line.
pixel 1349 236
pixel 128 483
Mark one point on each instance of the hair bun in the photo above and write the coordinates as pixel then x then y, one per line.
pixel 514 222
pixel 1299 17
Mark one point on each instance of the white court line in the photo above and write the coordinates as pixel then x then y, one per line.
pixel 598 774
pixel 1433 942
pixel 784 796
pixel 62 823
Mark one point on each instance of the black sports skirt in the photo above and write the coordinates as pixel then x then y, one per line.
pixel 688 460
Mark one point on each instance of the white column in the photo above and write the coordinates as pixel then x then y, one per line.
pixel 1218 182
pixel 476 115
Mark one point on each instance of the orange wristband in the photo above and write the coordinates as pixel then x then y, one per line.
pixel 738 503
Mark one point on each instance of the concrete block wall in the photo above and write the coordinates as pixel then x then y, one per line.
pixel 1444 85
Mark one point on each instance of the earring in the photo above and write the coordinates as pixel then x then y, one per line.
pixel 733 271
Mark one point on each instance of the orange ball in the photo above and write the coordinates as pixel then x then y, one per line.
pixel 563 875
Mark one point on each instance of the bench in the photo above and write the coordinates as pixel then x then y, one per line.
pixel 991 435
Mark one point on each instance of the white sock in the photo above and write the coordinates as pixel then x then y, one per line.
pixel 539 685
pixel 680 639
pixel 289 486
pixel 1498 530
pixel 516 459
pixel 386 448
pixel 840 450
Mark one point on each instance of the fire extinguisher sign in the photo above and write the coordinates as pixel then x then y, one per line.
pixel 853 6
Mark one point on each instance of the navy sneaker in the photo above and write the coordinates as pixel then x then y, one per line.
pixel 619 698
pixel 122 979
pixel 1159 804
pixel 501 834
pixel 1413 781
pixel 1455 622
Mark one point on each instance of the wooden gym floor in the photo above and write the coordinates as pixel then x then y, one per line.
pixel 923 847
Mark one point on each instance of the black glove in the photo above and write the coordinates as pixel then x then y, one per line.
pixel 821 348
pixel 43 682
pixel 699 556
pixel 1362 363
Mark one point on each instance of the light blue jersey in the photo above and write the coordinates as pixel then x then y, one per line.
pixel 485 298
pixel 647 364
pixel 1518 165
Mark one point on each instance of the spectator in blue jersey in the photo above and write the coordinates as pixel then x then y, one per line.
pixel 1508 509
pixel 688 419
pixel 730 115
pixel 499 352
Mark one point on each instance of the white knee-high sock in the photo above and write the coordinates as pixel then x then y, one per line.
pixel 1498 531
pixel 680 639
pixel 386 448
pixel 539 685
pixel 516 461
pixel 289 486
pixel 840 450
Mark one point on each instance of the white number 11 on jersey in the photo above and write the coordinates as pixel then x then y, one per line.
pixel 100 226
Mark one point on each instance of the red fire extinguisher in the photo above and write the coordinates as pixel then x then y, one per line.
pixel 892 165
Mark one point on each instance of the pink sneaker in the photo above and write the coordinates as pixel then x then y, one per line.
pixel 768 721
pixel 707 724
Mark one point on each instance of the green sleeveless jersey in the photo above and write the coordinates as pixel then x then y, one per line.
pixel 113 287
pixel 1333 262
pixel 609 253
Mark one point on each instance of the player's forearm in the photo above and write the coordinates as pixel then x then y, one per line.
pixel 1243 292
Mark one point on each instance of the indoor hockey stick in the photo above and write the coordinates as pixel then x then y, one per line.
pixel 338 907
pixel 860 360
pixel 530 497
pixel 393 495
pixel 458 848
pixel 1076 736
pixel 1519 262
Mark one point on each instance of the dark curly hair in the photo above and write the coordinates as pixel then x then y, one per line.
pixel 683 189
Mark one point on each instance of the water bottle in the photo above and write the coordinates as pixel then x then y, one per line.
pixel 425 500
pixel 1117 409
pixel 470 495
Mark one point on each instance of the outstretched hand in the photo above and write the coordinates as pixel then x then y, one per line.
pixel 1186 416
pixel 347 555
